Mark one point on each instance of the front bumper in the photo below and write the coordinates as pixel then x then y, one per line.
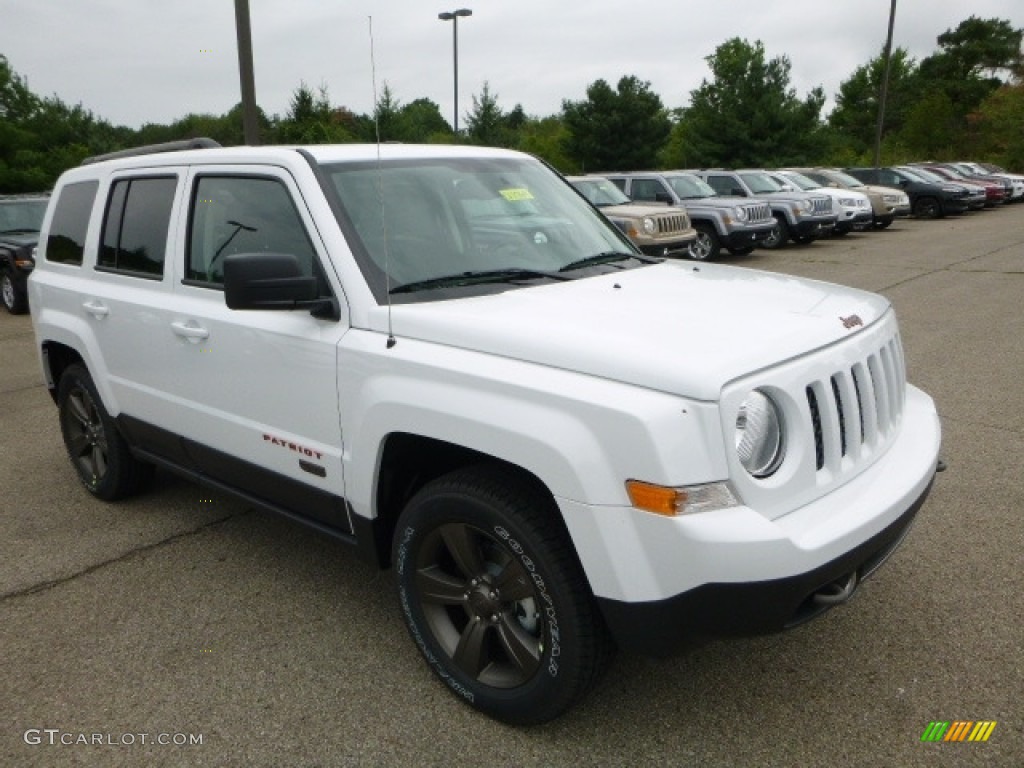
pixel 663 582
pixel 814 227
pixel 747 238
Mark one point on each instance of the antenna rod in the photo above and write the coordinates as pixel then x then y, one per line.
pixel 380 190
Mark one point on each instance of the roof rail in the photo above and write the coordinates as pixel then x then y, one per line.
pixel 152 149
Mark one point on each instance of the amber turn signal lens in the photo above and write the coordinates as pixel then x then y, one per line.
pixel 656 498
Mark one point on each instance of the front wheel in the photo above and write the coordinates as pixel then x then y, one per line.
pixel 494 597
pixel 706 247
pixel 779 234
pixel 927 208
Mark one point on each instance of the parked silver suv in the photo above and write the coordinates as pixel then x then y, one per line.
pixel 732 223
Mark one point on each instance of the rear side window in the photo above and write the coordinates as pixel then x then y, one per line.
pixel 136 224
pixel 238 214
pixel 66 240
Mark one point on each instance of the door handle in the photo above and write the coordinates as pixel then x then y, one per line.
pixel 96 308
pixel 189 330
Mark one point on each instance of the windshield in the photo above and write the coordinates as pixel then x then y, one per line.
pixel 21 215
pixel 912 175
pixel 414 221
pixel 690 187
pixel 601 192
pixel 800 180
pixel 927 175
pixel 760 183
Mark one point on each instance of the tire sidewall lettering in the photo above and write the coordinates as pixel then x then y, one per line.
pixel 554 631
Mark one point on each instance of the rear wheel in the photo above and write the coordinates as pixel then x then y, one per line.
pixel 494 597
pixel 99 454
pixel 706 247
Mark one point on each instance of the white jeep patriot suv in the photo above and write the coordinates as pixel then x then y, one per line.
pixel 447 358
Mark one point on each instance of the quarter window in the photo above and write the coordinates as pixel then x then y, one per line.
pixel 236 214
pixel 136 224
pixel 66 240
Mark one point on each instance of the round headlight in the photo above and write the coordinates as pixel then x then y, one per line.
pixel 739 213
pixel 759 441
pixel 649 226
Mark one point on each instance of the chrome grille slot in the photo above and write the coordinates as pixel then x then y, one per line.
pixel 819 443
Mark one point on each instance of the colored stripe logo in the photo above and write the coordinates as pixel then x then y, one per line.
pixel 958 730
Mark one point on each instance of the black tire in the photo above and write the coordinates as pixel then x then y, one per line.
pixel 707 246
pixel 97 450
pixel 494 597
pixel 779 235
pixel 14 301
pixel 927 208
pixel 744 251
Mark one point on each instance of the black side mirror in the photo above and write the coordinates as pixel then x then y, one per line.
pixel 662 197
pixel 738 192
pixel 267 281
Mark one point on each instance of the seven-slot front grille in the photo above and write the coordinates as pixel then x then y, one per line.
pixel 856 409
pixel 822 205
pixel 672 223
pixel 758 212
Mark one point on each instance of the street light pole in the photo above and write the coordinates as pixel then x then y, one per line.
pixel 453 17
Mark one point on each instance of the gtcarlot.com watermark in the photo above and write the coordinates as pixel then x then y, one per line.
pixel 56 737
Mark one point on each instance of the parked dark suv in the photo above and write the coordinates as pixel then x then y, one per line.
pixel 928 200
pixel 21 216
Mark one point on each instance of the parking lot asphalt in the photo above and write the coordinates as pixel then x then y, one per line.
pixel 182 612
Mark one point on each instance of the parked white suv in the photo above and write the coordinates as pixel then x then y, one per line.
pixel 446 357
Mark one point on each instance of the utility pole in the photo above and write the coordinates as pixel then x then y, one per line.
pixel 885 86
pixel 250 125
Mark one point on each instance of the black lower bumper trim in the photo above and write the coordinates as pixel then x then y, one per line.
pixel 664 627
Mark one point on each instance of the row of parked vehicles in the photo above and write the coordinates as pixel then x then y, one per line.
pixel 694 213
pixel 697 213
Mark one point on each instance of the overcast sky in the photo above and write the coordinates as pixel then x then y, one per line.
pixel 138 61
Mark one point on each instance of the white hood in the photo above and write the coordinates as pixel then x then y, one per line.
pixel 675 327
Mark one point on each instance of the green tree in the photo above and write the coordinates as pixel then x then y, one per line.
pixel 311 120
pixel 548 138
pixel 485 123
pixel 972 62
pixel 621 129
pixel 855 116
pixel 420 121
pixel 1000 118
pixel 748 114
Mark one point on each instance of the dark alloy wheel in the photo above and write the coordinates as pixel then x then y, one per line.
pixel 706 247
pixel 98 452
pixel 14 301
pixel 779 234
pixel 494 597
pixel 927 208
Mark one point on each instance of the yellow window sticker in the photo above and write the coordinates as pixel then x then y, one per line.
pixel 514 195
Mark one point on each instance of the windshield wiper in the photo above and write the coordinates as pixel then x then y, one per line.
pixel 18 231
pixel 475 277
pixel 606 257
